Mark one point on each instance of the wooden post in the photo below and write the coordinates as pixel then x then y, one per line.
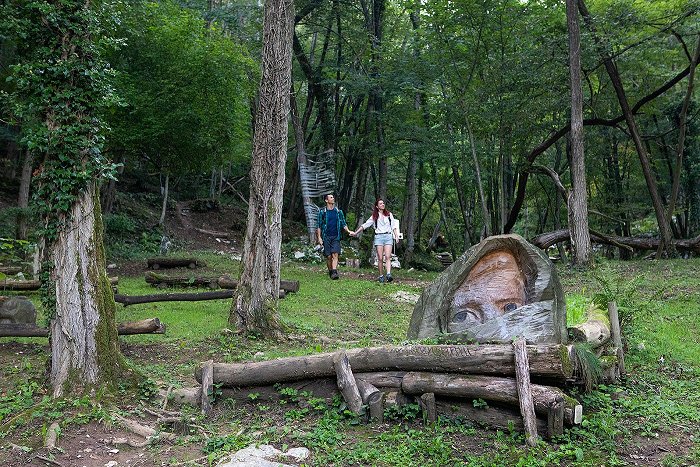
pixel 346 382
pixel 427 403
pixel 207 386
pixel 555 418
pixel 617 335
pixel 522 377
pixel 373 398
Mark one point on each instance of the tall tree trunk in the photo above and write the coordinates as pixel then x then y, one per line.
pixel 254 307
pixel 681 134
pixel 23 198
pixel 164 206
pixel 84 344
pixel 477 168
pixel 666 248
pixel 578 199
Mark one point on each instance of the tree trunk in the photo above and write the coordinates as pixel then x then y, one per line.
pixel 310 209
pixel 681 134
pixel 578 200
pixel 164 207
pixel 665 248
pixel 254 307
pixel 84 345
pixel 23 198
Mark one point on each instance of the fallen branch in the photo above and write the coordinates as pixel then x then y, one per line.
pixel 548 239
pixel 157 263
pixel 146 326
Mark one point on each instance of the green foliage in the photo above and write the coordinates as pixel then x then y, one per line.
pixel 407 412
pixel 185 91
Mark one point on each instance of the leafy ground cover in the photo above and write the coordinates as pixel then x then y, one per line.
pixel 651 418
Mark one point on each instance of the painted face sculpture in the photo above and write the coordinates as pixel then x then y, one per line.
pixel 498 290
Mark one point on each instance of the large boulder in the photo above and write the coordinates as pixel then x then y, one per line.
pixel 498 290
pixel 17 310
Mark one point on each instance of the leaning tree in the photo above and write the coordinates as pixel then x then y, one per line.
pixel 254 307
pixel 59 84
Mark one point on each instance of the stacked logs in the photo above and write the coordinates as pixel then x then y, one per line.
pixel 443 379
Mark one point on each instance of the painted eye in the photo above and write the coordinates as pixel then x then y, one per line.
pixel 460 317
pixel 468 314
pixel 510 307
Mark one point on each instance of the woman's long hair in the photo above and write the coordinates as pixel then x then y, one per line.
pixel 375 211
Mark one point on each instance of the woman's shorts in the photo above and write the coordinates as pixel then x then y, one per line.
pixel 383 239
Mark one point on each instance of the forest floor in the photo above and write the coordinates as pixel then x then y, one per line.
pixel 652 418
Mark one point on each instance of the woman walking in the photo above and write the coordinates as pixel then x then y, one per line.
pixel 385 233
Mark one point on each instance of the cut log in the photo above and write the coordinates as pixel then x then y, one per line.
pixel 595 331
pixel 555 418
pixel 154 278
pixel 616 333
pixel 490 388
pixel 551 361
pixel 548 239
pixel 146 326
pixel 383 379
pixel 9 284
pixel 10 270
pixel 373 398
pixel 226 282
pixel 207 392
pixel 502 418
pixel 157 263
pixel 212 233
pixel 346 382
pixel 522 379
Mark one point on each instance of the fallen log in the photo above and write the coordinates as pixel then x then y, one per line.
pixel 550 361
pixel 157 263
pixel 31 284
pixel 127 300
pixel 548 239
pixel 346 382
pixel 212 233
pixel 502 418
pixel 156 279
pixel 10 270
pixel 490 388
pixel 225 282
pixel 146 326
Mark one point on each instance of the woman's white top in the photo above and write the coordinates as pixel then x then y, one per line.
pixel 383 224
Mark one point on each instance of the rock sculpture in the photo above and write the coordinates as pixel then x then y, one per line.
pixel 500 289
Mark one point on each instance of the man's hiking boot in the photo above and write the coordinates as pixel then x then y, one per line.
pixel 334 275
pixel 389 278
pixel 380 279
pixel 330 273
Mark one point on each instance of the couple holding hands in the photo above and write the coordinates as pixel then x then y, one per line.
pixel 331 222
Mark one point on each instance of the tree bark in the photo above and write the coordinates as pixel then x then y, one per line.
pixel 578 199
pixel 164 207
pixel 84 345
pixel 254 307
pixel 524 391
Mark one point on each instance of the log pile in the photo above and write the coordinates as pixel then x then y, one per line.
pixel 441 379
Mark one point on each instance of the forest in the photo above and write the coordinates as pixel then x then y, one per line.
pixel 131 129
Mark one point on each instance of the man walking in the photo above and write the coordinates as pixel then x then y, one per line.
pixel 331 222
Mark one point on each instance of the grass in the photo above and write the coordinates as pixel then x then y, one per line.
pixel 657 405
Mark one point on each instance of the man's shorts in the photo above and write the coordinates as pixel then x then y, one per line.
pixel 331 246
pixel 383 239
